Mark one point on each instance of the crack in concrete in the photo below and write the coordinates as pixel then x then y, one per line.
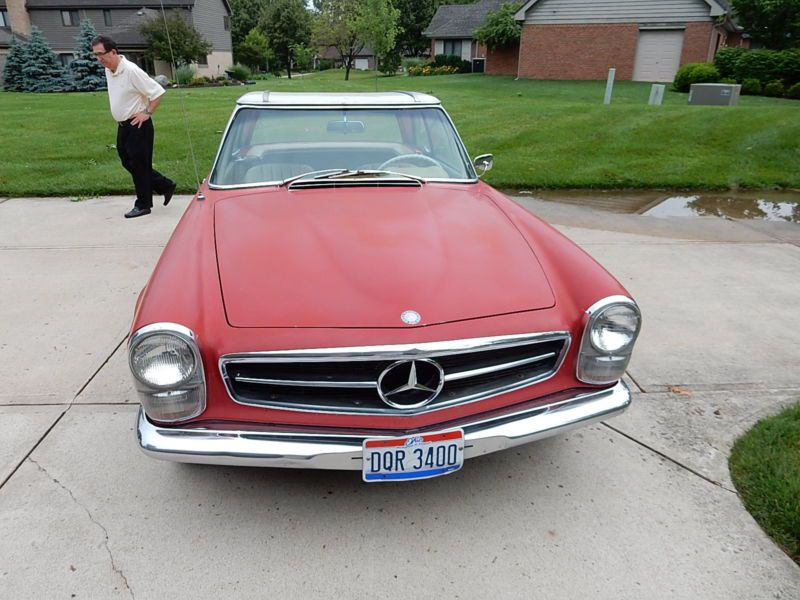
pixel 114 566
pixel 670 459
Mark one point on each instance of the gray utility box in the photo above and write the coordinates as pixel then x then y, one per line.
pixel 714 94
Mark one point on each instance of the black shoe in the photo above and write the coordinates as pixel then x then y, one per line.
pixel 137 212
pixel 169 192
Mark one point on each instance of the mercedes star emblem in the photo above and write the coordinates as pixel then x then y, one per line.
pixel 410 317
pixel 410 383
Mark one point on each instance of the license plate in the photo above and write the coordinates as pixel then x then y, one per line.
pixel 413 456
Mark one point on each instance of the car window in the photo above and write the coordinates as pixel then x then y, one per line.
pixel 265 145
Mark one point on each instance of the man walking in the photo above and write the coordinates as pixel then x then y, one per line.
pixel 134 97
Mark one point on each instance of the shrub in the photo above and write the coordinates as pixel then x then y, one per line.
pixel 325 64
pixel 728 80
pixel 790 66
pixel 184 74
pixel 432 70
pixel 412 62
pixel 694 73
pixel 774 89
pixel 389 63
pixel 240 72
pixel 763 65
pixel 794 92
pixel 727 60
pixel 751 87
pixel 451 60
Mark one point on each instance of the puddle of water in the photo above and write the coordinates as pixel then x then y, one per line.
pixel 766 205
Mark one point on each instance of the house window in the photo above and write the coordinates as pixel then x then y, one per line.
pixel 66 59
pixel 4 22
pixel 226 23
pixel 452 47
pixel 70 18
pixel 203 61
pixel 107 17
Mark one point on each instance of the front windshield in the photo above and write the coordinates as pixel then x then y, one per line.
pixel 271 145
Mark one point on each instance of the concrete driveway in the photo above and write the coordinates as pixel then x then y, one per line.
pixel 640 507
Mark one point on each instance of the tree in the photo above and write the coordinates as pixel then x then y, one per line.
pixel 42 71
pixel 773 23
pixel 254 51
pixel 500 30
pixel 338 24
pixel 13 79
pixel 87 73
pixel 286 23
pixel 378 26
pixel 244 18
pixel 187 45
pixel 415 16
pixel 303 56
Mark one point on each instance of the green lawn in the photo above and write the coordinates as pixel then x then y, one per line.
pixel 765 466
pixel 545 134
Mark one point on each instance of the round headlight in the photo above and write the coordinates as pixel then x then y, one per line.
pixel 615 328
pixel 163 360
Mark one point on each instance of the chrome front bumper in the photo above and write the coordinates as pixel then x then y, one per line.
pixel 303 450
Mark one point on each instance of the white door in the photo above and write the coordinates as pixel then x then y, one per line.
pixel 362 64
pixel 658 55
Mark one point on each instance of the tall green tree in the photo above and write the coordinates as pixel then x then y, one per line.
pixel 255 52
pixel 338 24
pixel 773 23
pixel 378 26
pixel 244 18
pixel 414 18
pixel 175 37
pixel 42 71
pixel 87 73
pixel 500 30
pixel 286 23
pixel 13 78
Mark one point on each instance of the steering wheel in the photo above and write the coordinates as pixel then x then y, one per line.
pixel 411 159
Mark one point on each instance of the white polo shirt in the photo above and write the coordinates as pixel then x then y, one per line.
pixel 130 90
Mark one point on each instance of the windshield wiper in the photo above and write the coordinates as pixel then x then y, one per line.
pixel 347 173
pixel 310 173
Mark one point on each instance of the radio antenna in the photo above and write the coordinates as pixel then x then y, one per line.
pixel 183 105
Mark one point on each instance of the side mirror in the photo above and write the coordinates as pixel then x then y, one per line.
pixel 483 164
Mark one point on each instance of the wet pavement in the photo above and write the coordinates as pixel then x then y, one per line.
pixel 768 205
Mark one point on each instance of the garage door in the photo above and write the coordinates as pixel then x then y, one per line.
pixel 362 64
pixel 658 55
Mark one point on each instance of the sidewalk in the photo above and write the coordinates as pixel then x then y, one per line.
pixel 639 507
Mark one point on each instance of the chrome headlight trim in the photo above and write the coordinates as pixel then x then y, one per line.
pixel 588 351
pixel 195 382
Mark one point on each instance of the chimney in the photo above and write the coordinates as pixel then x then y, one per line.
pixel 18 15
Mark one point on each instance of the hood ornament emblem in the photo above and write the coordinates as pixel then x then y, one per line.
pixel 410 317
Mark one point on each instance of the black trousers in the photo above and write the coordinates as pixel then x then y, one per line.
pixel 135 149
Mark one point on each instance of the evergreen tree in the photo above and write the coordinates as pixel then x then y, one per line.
pixel 12 72
pixel 87 72
pixel 42 71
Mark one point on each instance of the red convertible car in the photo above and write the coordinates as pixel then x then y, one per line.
pixel 344 292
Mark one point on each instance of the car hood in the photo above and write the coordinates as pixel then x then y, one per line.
pixel 360 257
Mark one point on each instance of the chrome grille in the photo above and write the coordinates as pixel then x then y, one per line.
pixel 346 379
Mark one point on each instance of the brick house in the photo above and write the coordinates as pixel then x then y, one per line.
pixel 642 39
pixel 60 21
pixel 452 27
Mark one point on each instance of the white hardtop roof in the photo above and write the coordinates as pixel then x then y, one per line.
pixel 368 99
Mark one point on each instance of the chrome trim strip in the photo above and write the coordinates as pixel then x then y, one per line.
pixel 309 383
pixel 495 368
pixel 396 352
pixel 273 447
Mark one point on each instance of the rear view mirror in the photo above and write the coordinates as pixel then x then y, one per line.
pixel 346 127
